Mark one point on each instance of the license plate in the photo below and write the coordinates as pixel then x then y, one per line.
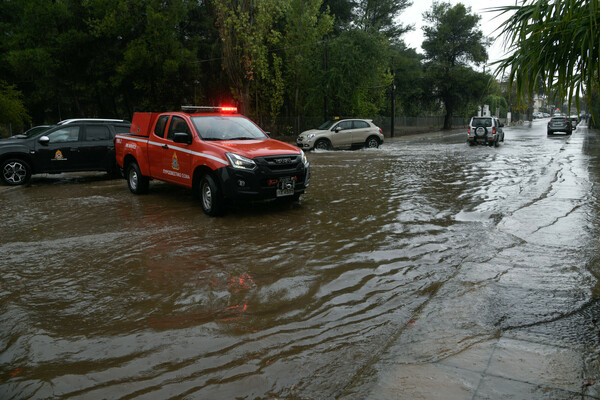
pixel 285 187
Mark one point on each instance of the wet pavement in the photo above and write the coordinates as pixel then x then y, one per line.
pixel 423 269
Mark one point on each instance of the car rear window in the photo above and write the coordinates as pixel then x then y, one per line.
pixel 558 119
pixel 486 122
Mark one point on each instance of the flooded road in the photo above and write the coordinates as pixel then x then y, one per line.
pixel 416 250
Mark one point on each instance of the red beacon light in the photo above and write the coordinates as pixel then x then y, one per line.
pixel 208 109
pixel 229 109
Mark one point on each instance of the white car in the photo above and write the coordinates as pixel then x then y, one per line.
pixel 574 121
pixel 340 134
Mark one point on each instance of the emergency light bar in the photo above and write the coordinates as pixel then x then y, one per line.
pixel 209 109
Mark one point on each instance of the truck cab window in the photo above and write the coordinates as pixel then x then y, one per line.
pixel 177 124
pixel 161 123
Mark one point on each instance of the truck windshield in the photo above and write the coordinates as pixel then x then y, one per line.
pixel 226 128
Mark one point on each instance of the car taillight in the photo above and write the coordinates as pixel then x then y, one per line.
pixel 493 130
pixel 469 130
pixel 380 131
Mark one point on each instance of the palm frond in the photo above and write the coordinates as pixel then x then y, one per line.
pixel 557 40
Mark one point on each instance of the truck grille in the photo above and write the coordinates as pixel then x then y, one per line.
pixel 279 163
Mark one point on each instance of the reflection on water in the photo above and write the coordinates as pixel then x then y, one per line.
pixel 419 249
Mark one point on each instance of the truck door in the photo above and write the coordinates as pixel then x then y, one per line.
pixel 177 160
pixel 157 147
pixel 62 152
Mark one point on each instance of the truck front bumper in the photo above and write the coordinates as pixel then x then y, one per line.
pixel 263 183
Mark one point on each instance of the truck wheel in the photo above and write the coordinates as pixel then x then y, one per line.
pixel 15 172
pixel 138 183
pixel 210 196
pixel 372 143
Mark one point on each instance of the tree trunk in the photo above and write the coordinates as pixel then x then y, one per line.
pixel 448 117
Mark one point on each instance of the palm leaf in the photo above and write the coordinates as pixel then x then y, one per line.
pixel 557 40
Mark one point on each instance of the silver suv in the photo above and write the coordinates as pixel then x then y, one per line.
pixel 485 130
pixel 342 133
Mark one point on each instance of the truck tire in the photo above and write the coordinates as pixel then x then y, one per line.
pixel 138 183
pixel 15 171
pixel 210 196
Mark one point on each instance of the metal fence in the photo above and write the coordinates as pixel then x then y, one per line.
pixel 284 126
pixel 402 126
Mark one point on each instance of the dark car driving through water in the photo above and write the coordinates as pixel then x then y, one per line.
pixel 559 124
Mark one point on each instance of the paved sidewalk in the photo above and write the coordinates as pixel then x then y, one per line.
pixel 510 367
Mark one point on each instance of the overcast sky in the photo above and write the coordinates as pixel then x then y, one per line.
pixel 414 15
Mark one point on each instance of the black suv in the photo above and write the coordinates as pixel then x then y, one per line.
pixel 70 146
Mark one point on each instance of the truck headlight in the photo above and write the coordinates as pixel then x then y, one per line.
pixel 304 159
pixel 240 162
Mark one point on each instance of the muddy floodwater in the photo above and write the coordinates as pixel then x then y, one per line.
pixel 414 251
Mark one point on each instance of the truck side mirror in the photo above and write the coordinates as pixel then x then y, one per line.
pixel 182 137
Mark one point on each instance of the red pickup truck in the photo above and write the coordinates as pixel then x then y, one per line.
pixel 221 155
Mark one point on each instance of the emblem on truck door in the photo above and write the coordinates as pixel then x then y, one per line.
pixel 175 162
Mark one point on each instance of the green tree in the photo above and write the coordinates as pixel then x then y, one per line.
pixel 453 42
pixel 152 50
pixel 556 42
pixel 409 81
pixel 248 30
pixel 45 52
pixel 358 74
pixel 381 16
pixel 305 28
pixel 341 11
pixel 103 57
pixel 12 110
